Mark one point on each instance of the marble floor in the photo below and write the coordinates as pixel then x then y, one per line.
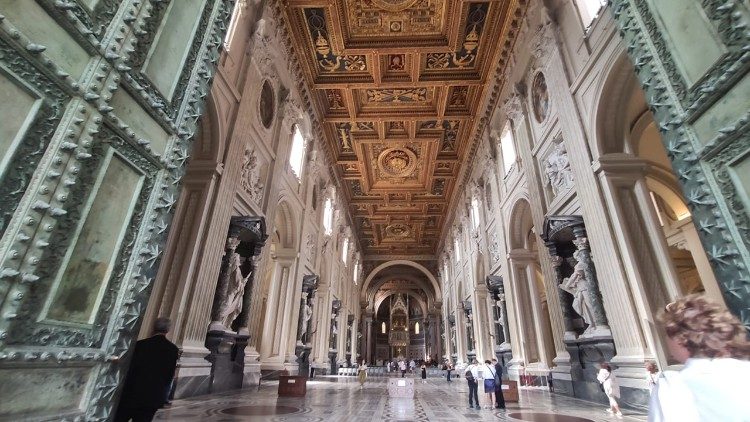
pixel 334 399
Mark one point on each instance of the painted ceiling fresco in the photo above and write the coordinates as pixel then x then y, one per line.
pixel 398 85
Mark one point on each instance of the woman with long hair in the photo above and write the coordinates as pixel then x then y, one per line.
pixel 713 345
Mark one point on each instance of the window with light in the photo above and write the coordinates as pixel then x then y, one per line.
pixel 589 10
pixel 382 328
pixel 345 250
pixel 297 154
pixel 355 272
pixel 458 249
pixel 416 328
pixel 328 217
pixel 508 148
pixel 475 213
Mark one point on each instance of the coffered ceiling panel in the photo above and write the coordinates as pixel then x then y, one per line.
pixel 398 85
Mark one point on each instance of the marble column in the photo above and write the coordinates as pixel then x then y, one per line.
pixel 592 283
pixel 565 299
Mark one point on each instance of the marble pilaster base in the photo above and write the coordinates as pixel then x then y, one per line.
pixel 585 356
pixel 192 378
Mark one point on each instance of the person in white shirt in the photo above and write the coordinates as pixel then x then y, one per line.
pixel 402 368
pixel 472 379
pixel 608 380
pixel 713 385
pixel 652 375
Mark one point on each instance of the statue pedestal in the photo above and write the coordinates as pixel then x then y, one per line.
pixel 401 387
pixel 227 359
pixel 251 374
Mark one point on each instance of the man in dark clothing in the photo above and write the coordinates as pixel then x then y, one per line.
pixel 151 372
pixel 499 399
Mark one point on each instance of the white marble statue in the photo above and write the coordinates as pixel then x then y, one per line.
pixel 235 291
pixel 307 312
pixel 576 285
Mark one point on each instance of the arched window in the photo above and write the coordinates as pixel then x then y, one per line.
pixel 297 154
pixel 475 212
pixel 416 327
pixel 345 250
pixel 382 328
pixel 236 14
pixel 589 10
pixel 507 148
pixel 355 272
pixel 328 217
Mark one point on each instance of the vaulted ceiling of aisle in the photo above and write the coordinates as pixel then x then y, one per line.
pixel 398 86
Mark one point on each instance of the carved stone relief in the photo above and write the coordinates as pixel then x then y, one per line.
pixel 250 176
pixel 557 169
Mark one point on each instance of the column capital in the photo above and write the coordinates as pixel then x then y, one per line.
pixel 622 165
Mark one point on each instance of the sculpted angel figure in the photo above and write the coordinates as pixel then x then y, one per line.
pixel 576 285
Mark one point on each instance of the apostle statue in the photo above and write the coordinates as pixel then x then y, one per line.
pixel 577 286
pixel 235 290
pixel 307 312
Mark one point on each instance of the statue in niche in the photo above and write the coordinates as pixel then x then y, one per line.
pixel 557 169
pixel 235 291
pixel 307 312
pixel 577 285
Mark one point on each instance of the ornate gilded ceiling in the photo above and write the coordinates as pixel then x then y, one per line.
pixel 397 85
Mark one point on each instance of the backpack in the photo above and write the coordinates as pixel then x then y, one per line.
pixel 468 375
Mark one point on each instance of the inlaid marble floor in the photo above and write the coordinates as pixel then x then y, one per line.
pixel 333 399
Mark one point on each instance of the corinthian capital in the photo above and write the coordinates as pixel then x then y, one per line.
pixel 513 107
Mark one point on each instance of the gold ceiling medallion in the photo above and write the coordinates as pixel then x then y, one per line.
pixel 398 230
pixel 397 162
pixel 394 5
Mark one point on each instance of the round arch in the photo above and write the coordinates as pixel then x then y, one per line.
pixel 420 283
pixel 379 301
pixel 520 223
pixel 381 267
pixel 615 92
pixel 285 224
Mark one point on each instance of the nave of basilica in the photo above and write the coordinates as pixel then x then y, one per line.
pixel 304 186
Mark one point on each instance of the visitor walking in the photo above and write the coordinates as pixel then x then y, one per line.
pixel 713 345
pixel 472 375
pixel 402 368
pixel 362 374
pixel 412 366
pixel 424 373
pixel 652 375
pixel 448 370
pixel 608 380
pixel 151 371
pixel 489 375
pixel 499 398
